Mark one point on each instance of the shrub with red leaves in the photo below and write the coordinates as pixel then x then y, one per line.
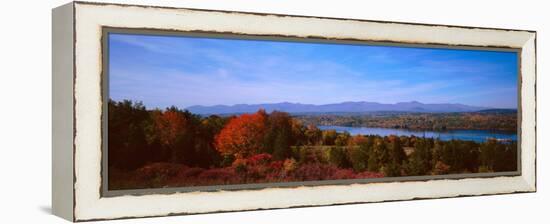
pixel 222 175
pixel 259 168
pixel 258 159
pixel 158 170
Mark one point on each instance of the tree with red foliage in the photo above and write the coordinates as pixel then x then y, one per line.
pixel 243 135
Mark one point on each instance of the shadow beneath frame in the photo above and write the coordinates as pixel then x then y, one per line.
pixel 45 209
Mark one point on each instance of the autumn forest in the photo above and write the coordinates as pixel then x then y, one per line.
pixel 176 148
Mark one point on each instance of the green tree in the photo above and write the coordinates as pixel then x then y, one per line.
pixel 373 164
pixel 278 135
pixel 342 139
pixel 127 124
pixel 392 169
pixel 377 154
pixel 313 135
pixel 281 147
pixel 382 151
pixel 419 162
pixel 396 151
pixel 329 136
pixel 359 159
pixel 505 157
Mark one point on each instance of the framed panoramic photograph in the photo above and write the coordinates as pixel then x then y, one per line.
pixel 160 111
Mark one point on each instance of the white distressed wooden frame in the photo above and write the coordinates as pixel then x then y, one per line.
pixel 77 108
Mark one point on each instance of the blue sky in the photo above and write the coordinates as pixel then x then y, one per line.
pixel 162 71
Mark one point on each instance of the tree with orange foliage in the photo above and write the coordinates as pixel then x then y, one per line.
pixel 243 135
pixel 170 127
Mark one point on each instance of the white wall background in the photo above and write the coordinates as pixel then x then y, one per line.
pixel 25 112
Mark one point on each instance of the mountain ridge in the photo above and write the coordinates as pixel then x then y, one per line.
pixel 343 107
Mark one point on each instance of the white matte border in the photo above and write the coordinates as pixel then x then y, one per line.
pixel 90 18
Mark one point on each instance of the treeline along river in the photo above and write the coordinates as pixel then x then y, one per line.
pixel 499 124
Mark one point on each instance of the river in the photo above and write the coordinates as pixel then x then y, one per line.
pixel 467 135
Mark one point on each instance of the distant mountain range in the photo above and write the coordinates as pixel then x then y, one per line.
pixel 344 107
